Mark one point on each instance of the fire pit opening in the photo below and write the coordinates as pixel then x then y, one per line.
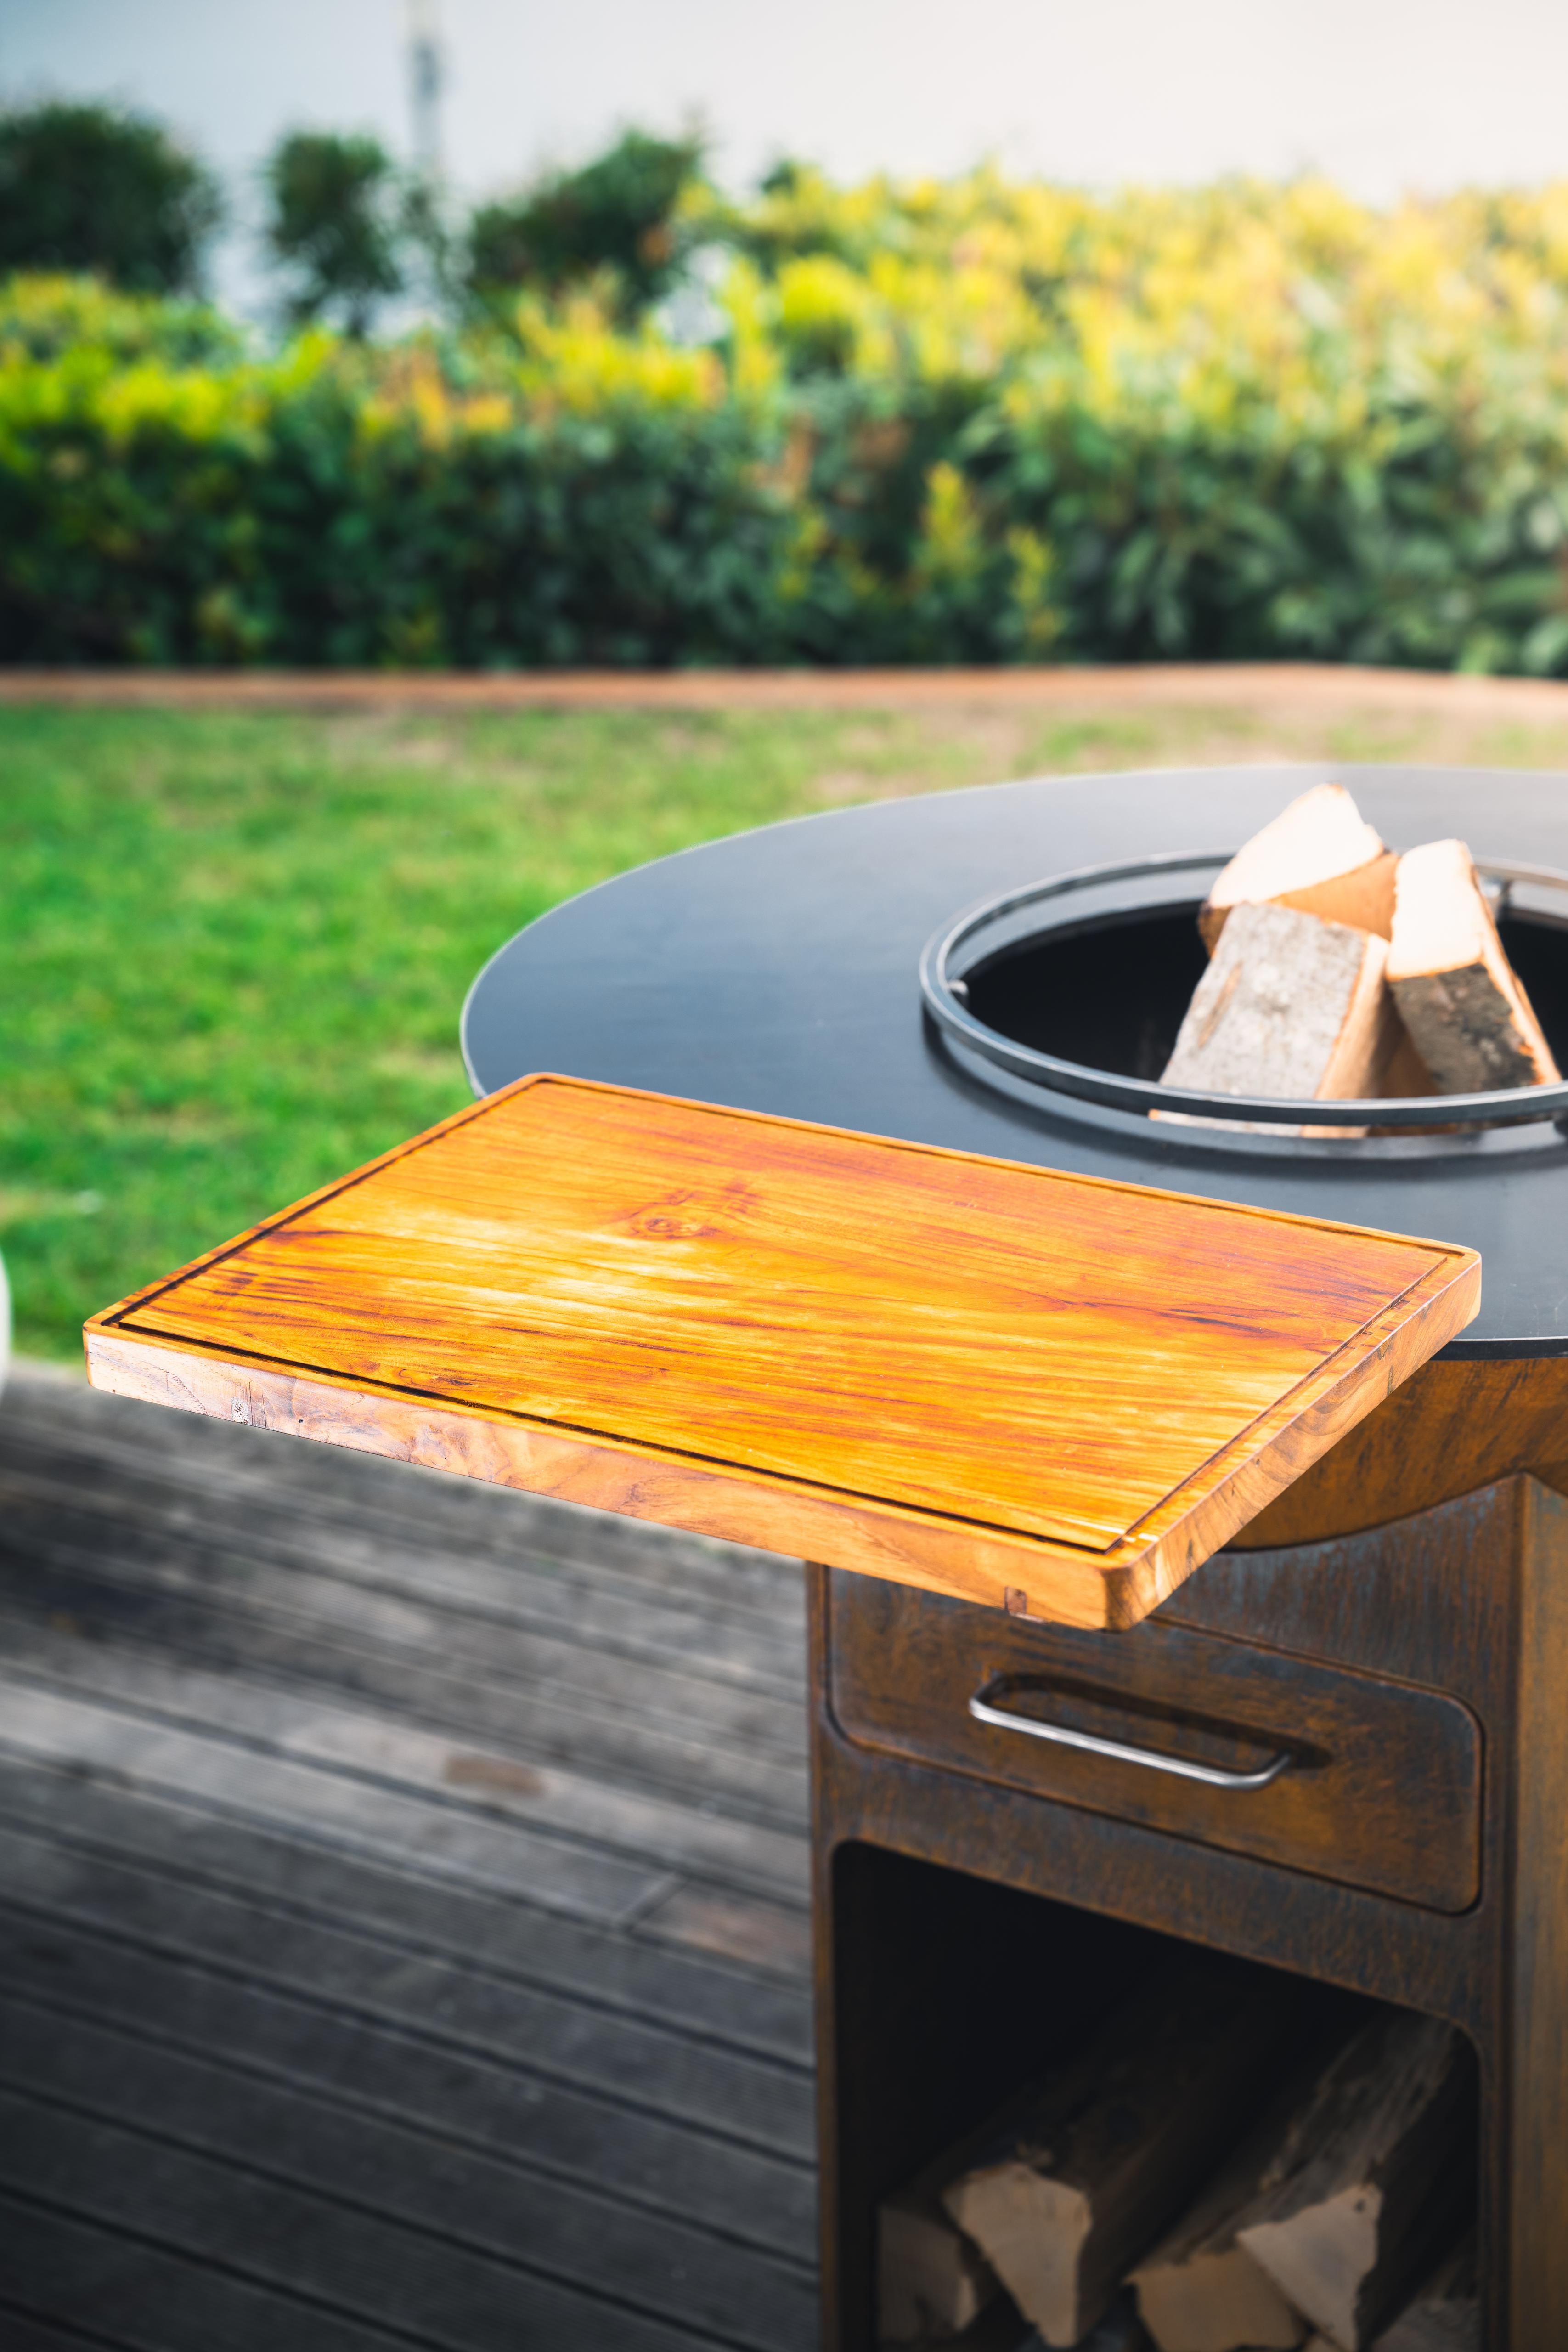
pixel 1114 997
pixel 1078 986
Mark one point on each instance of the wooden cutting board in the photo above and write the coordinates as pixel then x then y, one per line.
pixel 1050 1393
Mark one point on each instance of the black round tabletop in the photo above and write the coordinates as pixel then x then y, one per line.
pixel 777 970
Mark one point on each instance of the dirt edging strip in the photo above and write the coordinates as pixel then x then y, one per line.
pixel 1245 686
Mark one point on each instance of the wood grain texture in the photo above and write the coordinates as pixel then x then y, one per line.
pixel 1459 996
pixel 1289 1006
pixel 1372 2178
pixel 1319 855
pixel 960 1372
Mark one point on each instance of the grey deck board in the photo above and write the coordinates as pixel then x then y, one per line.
pixel 654 2162
pixel 392 2172
pixel 483 1784
pixel 668 1729
pixel 323 1805
pixel 460 1533
pixel 113 2289
pixel 765 2105
pixel 407 1911
pixel 402 1905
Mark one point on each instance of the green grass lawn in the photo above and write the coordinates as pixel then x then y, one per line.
pixel 235 947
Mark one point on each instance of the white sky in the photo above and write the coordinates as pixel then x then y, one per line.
pixel 1384 94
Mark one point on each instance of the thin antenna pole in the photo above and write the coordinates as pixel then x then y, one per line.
pixel 424 80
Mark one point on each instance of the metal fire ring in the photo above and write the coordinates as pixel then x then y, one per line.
pixel 940 984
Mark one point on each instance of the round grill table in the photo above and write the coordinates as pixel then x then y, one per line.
pixel 1397 1626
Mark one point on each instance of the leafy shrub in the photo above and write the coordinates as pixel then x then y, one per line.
pixel 961 421
pixel 335 224
pixel 83 188
pixel 43 318
pixel 591 500
pixel 617 216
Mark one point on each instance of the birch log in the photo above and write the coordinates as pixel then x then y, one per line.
pixel 1319 855
pixel 1066 2187
pixel 1457 995
pixel 1289 1006
pixel 1370 2178
pixel 1199 2290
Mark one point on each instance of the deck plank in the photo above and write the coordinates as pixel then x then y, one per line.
pixel 111 2288
pixel 409 1911
pixel 760 2103
pixel 402 1904
pixel 568 1701
pixel 273 2233
pixel 477 1784
pixel 471 1538
pixel 657 2163
pixel 566 2232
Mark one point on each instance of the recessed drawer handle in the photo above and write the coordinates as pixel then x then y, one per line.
pixel 983 1711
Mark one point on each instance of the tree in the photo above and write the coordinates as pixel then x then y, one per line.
pixel 616 213
pixel 86 189
pixel 336 223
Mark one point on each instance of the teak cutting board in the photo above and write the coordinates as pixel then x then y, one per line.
pixel 1043 1392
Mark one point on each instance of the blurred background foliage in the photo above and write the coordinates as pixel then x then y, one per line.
pixel 622 217
pixel 85 188
pixel 334 226
pixel 638 421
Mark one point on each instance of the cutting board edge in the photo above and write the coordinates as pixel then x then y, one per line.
pixel 1263 1462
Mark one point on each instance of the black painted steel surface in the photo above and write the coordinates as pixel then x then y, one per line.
pixel 778 970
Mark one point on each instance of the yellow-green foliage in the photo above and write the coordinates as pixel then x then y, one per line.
pixel 966 420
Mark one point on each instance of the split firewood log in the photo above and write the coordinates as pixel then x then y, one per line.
pixel 1445 2316
pixel 1457 995
pixel 1201 2291
pixel 1289 1006
pixel 1371 2176
pixel 1319 855
pixel 932 2281
pixel 1066 2185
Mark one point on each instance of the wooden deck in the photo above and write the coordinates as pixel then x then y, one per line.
pixel 403 1901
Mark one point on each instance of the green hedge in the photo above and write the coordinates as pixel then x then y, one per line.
pixel 1245 424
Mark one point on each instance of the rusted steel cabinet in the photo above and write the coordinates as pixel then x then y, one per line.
pixel 982 1894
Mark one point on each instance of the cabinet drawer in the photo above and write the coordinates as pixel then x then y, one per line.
pixel 1371 1783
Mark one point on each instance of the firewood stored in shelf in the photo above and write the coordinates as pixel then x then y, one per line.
pixel 1373 2174
pixel 1068 2184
